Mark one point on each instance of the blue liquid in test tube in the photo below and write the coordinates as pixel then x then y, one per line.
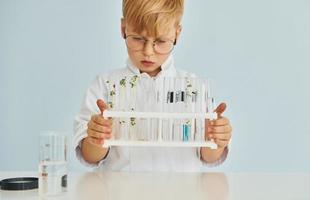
pixel 186 131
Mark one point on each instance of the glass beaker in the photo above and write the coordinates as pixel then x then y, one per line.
pixel 52 163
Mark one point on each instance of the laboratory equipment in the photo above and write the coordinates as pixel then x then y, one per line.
pixel 52 163
pixel 164 111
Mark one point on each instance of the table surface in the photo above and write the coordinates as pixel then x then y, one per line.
pixel 164 185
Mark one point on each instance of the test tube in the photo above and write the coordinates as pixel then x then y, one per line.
pixel 150 99
pixel 200 123
pixel 122 94
pixel 196 101
pixel 172 106
pixel 210 99
pixel 111 102
pixel 188 108
pixel 168 95
pixel 139 90
pixel 156 124
pixel 132 94
pixel 175 104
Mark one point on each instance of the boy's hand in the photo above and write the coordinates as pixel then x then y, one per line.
pixel 99 128
pixel 220 129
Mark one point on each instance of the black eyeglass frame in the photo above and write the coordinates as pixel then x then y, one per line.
pixel 174 43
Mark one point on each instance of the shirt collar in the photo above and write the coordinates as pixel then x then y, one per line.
pixel 167 68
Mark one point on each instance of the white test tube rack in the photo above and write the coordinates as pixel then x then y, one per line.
pixel 160 141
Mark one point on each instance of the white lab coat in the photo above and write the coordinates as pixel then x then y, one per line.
pixel 136 158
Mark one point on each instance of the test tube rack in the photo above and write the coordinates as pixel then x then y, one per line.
pixel 160 141
pixel 169 112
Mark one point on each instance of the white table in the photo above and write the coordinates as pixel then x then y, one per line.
pixel 220 186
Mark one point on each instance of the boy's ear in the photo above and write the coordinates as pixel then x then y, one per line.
pixel 179 30
pixel 123 27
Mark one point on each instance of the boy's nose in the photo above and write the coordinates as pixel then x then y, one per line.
pixel 148 48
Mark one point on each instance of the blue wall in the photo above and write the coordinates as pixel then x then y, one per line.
pixel 257 52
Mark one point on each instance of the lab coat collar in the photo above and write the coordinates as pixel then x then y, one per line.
pixel 167 68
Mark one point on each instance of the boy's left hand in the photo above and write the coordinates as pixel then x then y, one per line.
pixel 220 129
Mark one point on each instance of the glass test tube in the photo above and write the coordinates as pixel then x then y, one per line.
pixel 177 106
pixel 167 108
pixel 147 100
pixel 123 130
pixel 158 123
pixel 140 106
pixel 209 99
pixel 188 108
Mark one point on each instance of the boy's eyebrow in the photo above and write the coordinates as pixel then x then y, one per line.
pixel 165 36
pixel 133 34
pixel 159 37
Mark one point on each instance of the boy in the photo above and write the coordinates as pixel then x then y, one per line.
pixel 150 28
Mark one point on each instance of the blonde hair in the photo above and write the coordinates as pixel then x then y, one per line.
pixel 152 16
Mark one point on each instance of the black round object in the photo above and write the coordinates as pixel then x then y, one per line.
pixel 22 183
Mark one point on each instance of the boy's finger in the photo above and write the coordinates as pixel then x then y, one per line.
pixel 98 119
pixel 101 105
pixel 221 143
pixel 219 129
pixel 94 134
pixel 219 122
pixel 98 135
pixel 99 128
pixel 225 137
pixel 220 109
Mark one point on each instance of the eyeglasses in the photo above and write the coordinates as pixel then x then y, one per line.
pixel 161 46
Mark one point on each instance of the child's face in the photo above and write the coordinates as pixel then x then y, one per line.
pixel 147 58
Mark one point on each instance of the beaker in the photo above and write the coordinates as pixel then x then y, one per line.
pixel 52 163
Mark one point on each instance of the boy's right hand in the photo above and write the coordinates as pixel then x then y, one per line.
pixel 99 128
